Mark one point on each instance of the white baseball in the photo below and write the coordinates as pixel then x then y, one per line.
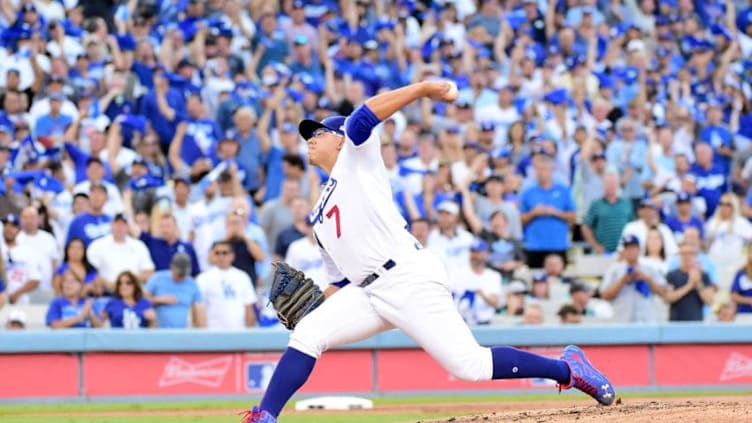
pixel 453 92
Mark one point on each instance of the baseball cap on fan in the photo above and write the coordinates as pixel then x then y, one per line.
pixel 334 123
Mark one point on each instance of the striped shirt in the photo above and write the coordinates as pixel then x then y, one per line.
pixel 607 220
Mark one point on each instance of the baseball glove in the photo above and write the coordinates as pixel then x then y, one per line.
pixel 293 295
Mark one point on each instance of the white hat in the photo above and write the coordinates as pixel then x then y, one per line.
pixel 635 45
pixel 449 206
pixel 517 287
pixel 17 316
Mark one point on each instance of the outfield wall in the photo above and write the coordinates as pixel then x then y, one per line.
pixel 103 364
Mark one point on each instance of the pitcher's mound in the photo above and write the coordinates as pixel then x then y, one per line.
pixel 629 410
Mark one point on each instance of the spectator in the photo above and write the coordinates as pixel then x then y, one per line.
pixel 631 286
pixel 533 314
pixel 227 292
pixel 118 252
pixel 53 124
pixel 246 250
pixel 607 217
pixel 692 237
pixel 449 241
pixel 95 175
pixel 515 293
pixel 648 217
pixel 506 255
pixel 71 310
pixel 684 217
pixel 688 287
pixel 167 244
pixel 16 320
pixel 547 211
pixel 655 251
pixel 569 315
pixel 163 107
pixel 558 283
pixel 46 250
pixel 483 207
pixel 300 209
pixel 128 309
pixel 304 255
pixel 478 291
pixel 727 234
pixel 711 179
pixel 93 223
pixel 629 155
pixel 76 262
pixel 277 215
pixel 21 267
pixel 726 313
pixel 421 229
pixel 174 294
pixel 181 189
pixel 582 300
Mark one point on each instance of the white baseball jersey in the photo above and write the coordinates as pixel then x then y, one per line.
pixel 20 267
pixel 356 222
pixel 305 256
pixel 226 294
pixel 469 282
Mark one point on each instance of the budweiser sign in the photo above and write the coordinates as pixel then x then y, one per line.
pixel 737 366
pixel 208 373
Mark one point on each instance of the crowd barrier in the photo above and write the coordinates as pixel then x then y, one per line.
pixel 109 364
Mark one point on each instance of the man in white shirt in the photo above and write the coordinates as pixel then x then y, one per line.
pixel 478 290
pixel 22 271
pixel 450 242
pixel 46 250
pixel 648 217
pixel 304 255
pixel 227 291
pixel 118 252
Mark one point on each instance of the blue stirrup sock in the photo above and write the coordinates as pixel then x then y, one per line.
pixel 511 363
pixel 291 373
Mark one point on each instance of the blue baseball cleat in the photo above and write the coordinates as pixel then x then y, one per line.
pixel 257 415
pixel 586 378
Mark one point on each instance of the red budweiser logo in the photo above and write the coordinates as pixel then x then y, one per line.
pixel 737 366
pixel 210 373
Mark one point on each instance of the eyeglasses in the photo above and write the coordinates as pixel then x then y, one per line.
pixel 725 204
pixel 222 252
pixel 126 282
pixel 320 131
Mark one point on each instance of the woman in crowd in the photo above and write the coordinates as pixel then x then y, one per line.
pixel 727 234
pixel 128 309
pixel 655 253
pixel 72 309
pixel 76 262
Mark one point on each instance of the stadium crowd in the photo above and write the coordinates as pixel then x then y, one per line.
pixel 153 169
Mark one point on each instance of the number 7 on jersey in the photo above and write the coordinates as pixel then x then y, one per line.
pixel 334 211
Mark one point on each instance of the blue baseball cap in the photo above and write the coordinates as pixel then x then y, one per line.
pixel 479 245
pixel 11 219
pixel 557 96
pixel 630 240
pixel 540 277
pixel 335 123
pixel 487 126
pixel 648 203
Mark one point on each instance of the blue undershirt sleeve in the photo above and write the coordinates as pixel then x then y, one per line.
pixel 360 124
pixel 341 284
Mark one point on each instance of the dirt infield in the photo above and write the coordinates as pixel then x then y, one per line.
pixel 710 409
pixel 688 409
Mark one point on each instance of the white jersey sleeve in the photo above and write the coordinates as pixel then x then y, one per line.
pixel 333 274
